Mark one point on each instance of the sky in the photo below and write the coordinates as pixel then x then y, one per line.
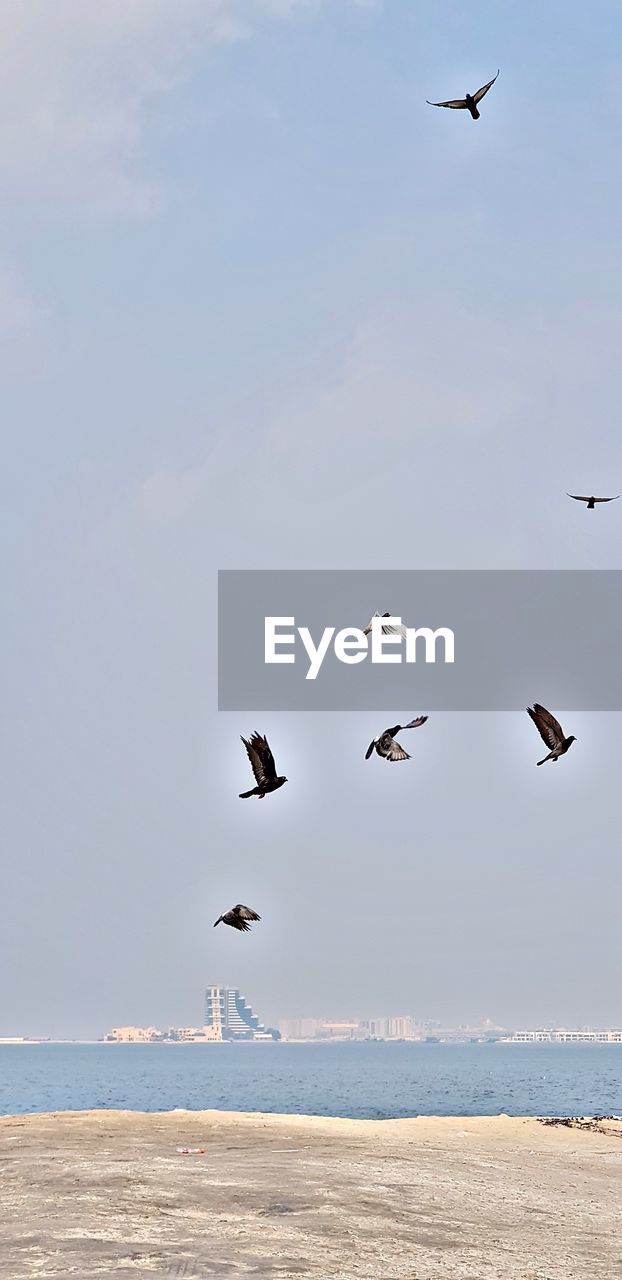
pixel 262 307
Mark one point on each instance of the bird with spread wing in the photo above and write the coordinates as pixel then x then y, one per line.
pixel 469 103
pixel 551 732
pixel 386 745
pixel 591 501
pixel 387 628
pixel 238 917
pixel 263 766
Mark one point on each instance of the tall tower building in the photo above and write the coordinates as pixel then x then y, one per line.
pixel 232 1018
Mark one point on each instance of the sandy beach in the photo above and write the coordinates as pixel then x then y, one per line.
pixel 106 1193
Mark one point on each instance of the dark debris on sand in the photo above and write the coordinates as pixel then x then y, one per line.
pixel 589 1124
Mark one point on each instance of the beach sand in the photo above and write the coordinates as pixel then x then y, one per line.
pixel 104 1193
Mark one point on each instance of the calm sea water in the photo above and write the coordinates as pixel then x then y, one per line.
pixel 367 1080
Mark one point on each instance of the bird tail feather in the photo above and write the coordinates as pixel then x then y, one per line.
pixel 245 794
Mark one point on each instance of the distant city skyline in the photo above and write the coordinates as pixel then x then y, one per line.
pixel 225 1008
pixel 318 1031
pixel 229 1015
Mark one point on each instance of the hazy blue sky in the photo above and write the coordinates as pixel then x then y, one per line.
pixel 257 300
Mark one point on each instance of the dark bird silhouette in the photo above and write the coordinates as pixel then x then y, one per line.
pixel 263 766
pixel 592 501
pixel 385 743
pixel 466 104
pixel 551 732
pixel 238 917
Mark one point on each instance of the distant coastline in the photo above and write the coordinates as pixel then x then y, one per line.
pixel 540 1037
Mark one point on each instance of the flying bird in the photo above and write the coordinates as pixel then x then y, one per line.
pixel 466 104
pixel 385 743
pixel 387 628
pixel 263 766
pixel 591 501
pixel 238 917
pixel 551 732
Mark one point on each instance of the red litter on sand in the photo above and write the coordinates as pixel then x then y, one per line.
pixel 191 1151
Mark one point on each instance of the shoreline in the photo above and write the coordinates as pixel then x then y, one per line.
pixel 609 1123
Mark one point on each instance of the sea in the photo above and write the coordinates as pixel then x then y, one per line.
pixel 374 1080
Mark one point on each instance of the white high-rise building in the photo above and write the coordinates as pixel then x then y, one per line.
pixel 232 1018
